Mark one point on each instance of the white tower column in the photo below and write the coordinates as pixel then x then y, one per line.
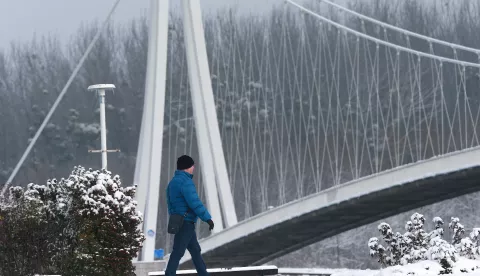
pixel 149 155
pixel 201 87
pixel 204 145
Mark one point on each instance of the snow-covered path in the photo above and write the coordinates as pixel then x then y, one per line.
pixel 424 268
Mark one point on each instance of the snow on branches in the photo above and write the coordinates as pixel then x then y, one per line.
pixel 107 216
pixel 458 230
pixel 443 252
pixel 88 224
pixel 416 244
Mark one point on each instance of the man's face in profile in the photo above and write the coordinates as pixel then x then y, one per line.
pixel 191 169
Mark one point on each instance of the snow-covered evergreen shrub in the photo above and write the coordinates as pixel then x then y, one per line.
pixel 467 249
pixel 395 244
pixel 27 232
pixel 414 245
pixel 475 236
pixel 83 225
pixel 466 246
pixel 377 250
pixel 107 221
pixel 458 230
pixel 416 238
pixel 443 252
pixel 438 232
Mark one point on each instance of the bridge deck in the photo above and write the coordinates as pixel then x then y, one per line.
pixel 289 234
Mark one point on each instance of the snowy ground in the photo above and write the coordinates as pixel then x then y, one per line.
pixel 425 268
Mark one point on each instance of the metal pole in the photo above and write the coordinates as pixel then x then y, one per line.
pixel 100 89
pixel 103 128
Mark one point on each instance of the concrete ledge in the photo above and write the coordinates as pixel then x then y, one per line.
pixel 143 268
pixel 235 271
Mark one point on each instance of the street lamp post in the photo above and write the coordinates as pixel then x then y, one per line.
pixel 100 89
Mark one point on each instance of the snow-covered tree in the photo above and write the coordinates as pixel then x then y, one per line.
pixel 414 245
pixel 467 249
pixel 28 232
pixel 395 244
pixel 416 238
pixel 466 246
pixel 106 222
pixel 469 246
pixel 438 231
pixel 83 225
pixel 475 236
pixel 377 250
pixel 443 252
pixel 458 230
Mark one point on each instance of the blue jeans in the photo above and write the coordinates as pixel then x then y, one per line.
pixel 186 238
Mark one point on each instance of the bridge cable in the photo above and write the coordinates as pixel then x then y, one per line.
pixel 379 41
pixel 59 98
pixel 401 30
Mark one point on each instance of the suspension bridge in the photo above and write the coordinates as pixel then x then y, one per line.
pixel 305 126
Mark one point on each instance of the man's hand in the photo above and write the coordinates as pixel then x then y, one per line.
pixel 210 223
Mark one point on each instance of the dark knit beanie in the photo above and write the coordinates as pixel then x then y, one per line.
pixel 184 162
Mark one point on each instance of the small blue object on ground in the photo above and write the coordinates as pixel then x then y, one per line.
pixel 158 253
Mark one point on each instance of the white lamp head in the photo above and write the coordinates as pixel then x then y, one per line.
pixel 101 87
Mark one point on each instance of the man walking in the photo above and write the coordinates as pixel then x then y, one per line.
pixel 182 199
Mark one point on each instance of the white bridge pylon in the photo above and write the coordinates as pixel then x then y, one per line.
pixel 149 155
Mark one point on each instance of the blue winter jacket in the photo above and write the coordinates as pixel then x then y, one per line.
pixel 182 197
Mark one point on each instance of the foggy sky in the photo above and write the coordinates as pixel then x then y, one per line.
pixel 20 20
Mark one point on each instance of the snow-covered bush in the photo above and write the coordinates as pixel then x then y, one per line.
pixel 415 239
pixel 84 225
pixel 458 230
pixel 466 246
pixel 443 252
pixel 27 233
pixel 404 248
pixel 416 244
pixel 107 229
pixel 377 250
